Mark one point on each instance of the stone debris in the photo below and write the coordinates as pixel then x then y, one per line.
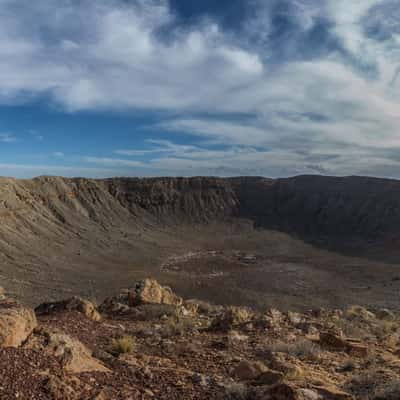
pixel 194 350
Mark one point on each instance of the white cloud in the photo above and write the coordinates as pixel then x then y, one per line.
pixel 112 55
pixel 112 162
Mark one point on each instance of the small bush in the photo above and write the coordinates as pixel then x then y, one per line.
pixel 178 326
pixel 352 328
pixel 122 345
pixel 303 349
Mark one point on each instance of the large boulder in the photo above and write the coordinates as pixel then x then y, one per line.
pixel 73 304
pixel 338 342
pixel 232 317
pixel 73 354
pixel 16 323
pixel 149 291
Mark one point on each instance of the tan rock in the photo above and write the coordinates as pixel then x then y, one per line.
pixel 340 343
pixel 332 393
pixel 270 377
pixel 74 355
pixel 332 340
pixel 73 304
pixel 232 317
pixel 86 307
pixel 16 323
pixel 235 338
pixel 57 389
pixel 284 391
pixel 357 349
pixel 149 291
pixel 249 370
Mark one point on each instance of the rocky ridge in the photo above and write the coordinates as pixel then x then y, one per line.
pixel 148 343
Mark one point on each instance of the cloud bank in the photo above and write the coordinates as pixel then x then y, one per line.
pixel 299 86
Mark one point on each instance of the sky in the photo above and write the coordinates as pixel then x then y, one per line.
pixel 186 87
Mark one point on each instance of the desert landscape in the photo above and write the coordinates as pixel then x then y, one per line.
pixel 199 288
pixel 199 200
pixel 291 243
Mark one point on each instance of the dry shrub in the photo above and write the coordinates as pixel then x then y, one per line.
pixel 178 326
pixel 303 349
pixel 122 345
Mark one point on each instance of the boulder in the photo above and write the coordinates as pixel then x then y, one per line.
pixel 232 317
pixel 284 391
pixel 332 340
pixel 74 355
pixel 149 291
pixel 235 338
pixel 249 370
pixel 340 343
pixel 73 304
pixel 115 305
pixel 385 314
pixel 16 323
pixel 359 312
pixel 270 377
pixel 290 391
pixel 329 392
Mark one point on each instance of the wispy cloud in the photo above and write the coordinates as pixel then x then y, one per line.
pixel 112 162
pixel 301 85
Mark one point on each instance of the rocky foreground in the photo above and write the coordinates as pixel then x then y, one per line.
pixel 147 343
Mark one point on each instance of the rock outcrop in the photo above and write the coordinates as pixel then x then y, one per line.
pixel 16 323
pixel 169 354
pixel 150 291
pixel 73 304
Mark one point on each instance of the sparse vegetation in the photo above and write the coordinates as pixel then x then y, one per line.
pixel 122 345
pixel 303 349
pixel 177 326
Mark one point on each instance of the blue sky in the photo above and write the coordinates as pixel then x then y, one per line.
pixel 184 87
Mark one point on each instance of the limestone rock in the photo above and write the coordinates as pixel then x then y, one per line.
pixel 16 323
pixel 74 355
pixel 149 291
pixel 339 343
pixel 232 317
pixel 249 370
pixel 332 393
pixel 73 304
